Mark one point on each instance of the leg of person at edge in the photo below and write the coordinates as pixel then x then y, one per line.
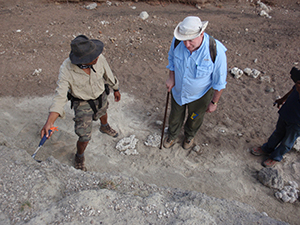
pixel 83 75
pixel 195 81
pixel 287 129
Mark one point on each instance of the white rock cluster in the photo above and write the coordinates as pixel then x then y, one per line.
pixel 289 193
pixel 153 140
pixel 264 9
pixel 237 73
pixel 127 145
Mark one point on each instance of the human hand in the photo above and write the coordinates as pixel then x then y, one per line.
pixel 211 108
pixel 170 83
pixel 49 125
pixel 45 131
pixel 117 96
pixel 278 102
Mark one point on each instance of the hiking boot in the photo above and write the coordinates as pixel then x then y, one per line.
pixel 257 151
pixel 79 163
pixel 168 143
pixel 269 163
pixel 187 143
pixel 108 130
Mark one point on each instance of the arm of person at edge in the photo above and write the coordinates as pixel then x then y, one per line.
pixel 282 100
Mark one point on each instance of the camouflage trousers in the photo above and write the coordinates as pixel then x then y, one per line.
pixel 84 117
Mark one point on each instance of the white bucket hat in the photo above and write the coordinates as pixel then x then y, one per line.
pixel 190 28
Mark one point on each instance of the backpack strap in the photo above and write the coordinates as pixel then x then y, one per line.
pixel 212 47
pixel 176 43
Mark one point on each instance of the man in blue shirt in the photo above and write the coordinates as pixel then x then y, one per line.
pixel 287 129
pixel 195 81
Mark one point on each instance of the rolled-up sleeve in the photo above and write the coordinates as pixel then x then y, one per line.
pixel 220 69
pixel 171 56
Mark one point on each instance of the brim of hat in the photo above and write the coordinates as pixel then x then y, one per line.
pixel 182 37
pixel 90 56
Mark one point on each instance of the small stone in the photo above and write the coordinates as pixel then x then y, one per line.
pixel 144 15
pixel 196 148
pixel 36 72
pixel 278 195
pixel 91 6
pixel 269 90
pixel 293 184
pixel 247 71
pixel 159 122
pixel 255 73
pixel 265 78
pixel 285 198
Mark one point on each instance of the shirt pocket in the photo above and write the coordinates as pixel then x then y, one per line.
pixel 204 70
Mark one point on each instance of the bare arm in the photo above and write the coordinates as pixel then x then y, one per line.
pixel 212 107
pixel 170 83
pixel 282 100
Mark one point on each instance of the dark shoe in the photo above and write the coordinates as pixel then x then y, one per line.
pixel 257 151
pixel 79 163
pixel 187 143
pixel 108 130
pixel 269 163
pixel 168 143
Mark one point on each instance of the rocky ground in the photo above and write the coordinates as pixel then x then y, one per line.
pixel 217 186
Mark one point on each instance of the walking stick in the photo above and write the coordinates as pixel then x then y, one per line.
pixel 164 123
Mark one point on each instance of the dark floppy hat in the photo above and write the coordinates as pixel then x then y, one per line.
pixel 85 50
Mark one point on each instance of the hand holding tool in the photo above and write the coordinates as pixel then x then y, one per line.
pixel 43 140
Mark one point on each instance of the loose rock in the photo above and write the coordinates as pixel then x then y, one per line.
pixel 153 140
pixel 127 145
pixel 289 193
pixel 144 15
pixel 270 177
pixel 236 72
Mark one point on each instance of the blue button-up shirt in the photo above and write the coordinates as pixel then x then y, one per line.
pixel 196 73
